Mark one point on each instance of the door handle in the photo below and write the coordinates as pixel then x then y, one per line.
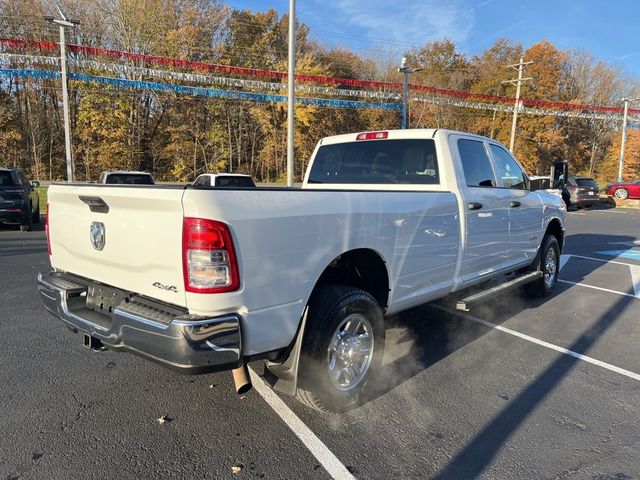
pixel 474 205
pixel 514 203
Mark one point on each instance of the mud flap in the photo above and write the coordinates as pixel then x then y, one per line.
pixel 283 377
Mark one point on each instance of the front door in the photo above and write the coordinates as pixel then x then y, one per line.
pixel 524 206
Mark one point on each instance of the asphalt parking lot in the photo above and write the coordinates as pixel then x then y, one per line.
pixel 514 389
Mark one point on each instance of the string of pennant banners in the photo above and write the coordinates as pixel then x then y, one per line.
pixel 120 69
pixel 195 91
pixel 382 87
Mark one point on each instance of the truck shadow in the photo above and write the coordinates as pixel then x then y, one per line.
pixel 430 335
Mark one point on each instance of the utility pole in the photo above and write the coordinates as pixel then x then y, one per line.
pixel 517 82
pixel 405 70
pixel 62 24
pixel 291 96
pixel 625 118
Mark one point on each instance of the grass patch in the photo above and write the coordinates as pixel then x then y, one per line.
pixel 42 193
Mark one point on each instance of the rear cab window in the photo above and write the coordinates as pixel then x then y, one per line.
pixel 129 179
pixel 377 162
pixel 231 182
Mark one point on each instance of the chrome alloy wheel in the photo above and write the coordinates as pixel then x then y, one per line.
pixel 621 193
pixel 350 352
pixel 550 267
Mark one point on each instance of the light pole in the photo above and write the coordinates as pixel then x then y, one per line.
pixel 64 23
pixel 624 133
pixel 291 96
pixel 405 70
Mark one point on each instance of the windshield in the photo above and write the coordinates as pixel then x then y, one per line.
pixel 377 162
pixel 6 180
pixel 129 179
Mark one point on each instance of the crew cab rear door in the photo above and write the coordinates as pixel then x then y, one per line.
pixel 525 208
pixel 486 214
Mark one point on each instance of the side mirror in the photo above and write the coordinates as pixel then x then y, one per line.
pixel 559 172
pixel 35 183
pixel 487 183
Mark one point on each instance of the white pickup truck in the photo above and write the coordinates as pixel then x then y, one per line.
pixel 204 279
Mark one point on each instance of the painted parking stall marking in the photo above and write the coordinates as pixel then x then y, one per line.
pixel 630 254
pixel 327 459
pixel 542 343
pixel 634 275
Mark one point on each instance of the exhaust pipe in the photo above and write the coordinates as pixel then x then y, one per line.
pixel 241 379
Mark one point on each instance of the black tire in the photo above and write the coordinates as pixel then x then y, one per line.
pixel 329 308
pixel 545 285
pixel 621 193
pixel 35 218
pixel 25 223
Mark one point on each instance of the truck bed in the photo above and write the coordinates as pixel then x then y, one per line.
pixel 284 239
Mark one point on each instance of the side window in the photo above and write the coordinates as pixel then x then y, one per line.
pixel 199 181
pixel 476 164
pixel 509 172
pixel 22 180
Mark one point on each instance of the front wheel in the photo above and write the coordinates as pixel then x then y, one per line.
pixel 621 193
pixel 342 348
pixel 548 263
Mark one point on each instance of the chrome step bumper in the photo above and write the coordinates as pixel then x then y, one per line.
pixel 166 334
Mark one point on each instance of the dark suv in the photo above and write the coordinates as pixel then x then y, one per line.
pixel 19 201
pixel 580 191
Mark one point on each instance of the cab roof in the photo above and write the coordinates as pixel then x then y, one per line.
pixel 411 133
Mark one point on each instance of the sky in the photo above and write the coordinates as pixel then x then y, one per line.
pixel 607 29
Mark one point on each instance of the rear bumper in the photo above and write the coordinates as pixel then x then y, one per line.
pixel 11 217
pixel 162 333
pixel 584 198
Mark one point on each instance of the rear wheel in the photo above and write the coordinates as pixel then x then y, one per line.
pixel 548 263
pixel 621 193
pixel 25 223
pixel 35 218
pixel 342 348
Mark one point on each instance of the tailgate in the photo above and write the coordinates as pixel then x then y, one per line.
pixel 142 227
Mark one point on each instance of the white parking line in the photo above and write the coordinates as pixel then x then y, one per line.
pixel 598 288
pixel 327 459
pixel 634 243
pixel 634 269
pixel 635 279
pixel 603 260
pixel 542 343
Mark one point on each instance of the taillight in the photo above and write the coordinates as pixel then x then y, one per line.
pixel 372 136
pixel 208 258
pixel 46 229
